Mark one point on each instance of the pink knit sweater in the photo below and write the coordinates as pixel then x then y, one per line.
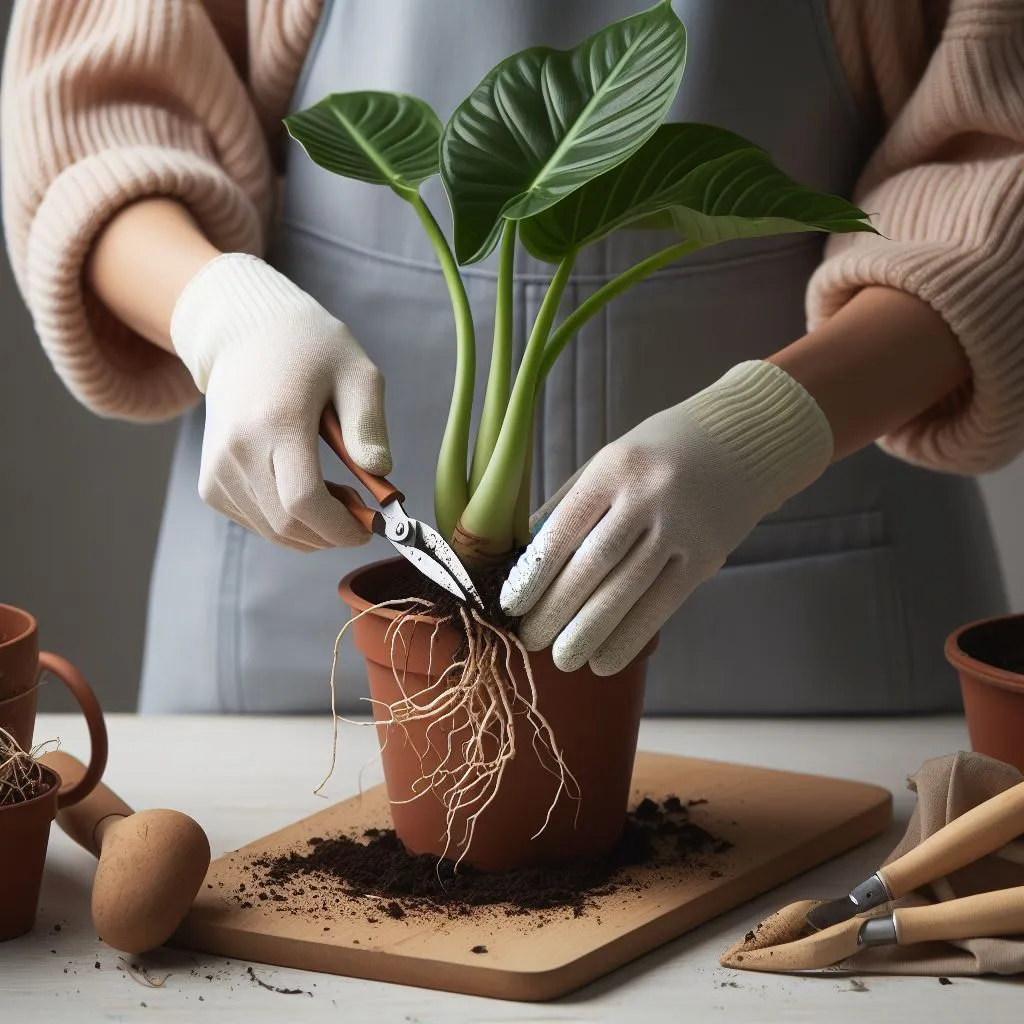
pixel 105 101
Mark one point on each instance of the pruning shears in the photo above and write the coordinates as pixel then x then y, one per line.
pixel 419 543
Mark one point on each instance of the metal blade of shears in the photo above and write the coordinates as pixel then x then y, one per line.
pixel 429 552
pixel 440 549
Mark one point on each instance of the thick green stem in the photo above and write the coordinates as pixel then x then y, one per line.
pixel 524 506
pixel 490 514
pixel 615 287
pixel 451 488
pixel 499 377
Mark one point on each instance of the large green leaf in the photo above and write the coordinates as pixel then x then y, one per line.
pixel 707 184
pixel 544 122
pixel 380 137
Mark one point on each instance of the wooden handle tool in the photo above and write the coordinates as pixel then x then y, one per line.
pixel 383 490
pixel 982 830
pixel 977 832
pixel 986 915
pixel 151 863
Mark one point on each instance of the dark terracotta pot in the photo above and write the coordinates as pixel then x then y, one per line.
pixel 24 835
pixel 595 721
pixel 989 657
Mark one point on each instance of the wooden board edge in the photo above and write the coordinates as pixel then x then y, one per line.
pixel 604 960
pixel 559 980
pixel 372 965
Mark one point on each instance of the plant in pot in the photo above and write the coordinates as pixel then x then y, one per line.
pixel 491 753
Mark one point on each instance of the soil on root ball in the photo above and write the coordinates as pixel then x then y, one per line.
pixel 409 582
pixel 373 875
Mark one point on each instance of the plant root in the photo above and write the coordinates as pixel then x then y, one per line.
pixel 335 717
pixel 21 775
pixel 470 710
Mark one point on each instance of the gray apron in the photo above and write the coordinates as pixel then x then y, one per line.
pixel 837 603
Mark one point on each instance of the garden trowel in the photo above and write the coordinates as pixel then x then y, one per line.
pixel 980 831
pixel 987 914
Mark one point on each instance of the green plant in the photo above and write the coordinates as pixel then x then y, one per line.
pixel 553 150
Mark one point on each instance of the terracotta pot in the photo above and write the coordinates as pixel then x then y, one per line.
pixel 595 721
pixel 20 665
pixel 25 827
pixel 24 836
pixel 989 657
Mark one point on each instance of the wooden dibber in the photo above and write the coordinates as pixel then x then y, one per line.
pixel 151 863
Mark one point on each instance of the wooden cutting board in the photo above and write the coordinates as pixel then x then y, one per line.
pixel 780 824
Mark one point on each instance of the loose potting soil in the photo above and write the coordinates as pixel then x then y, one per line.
pixel 374 873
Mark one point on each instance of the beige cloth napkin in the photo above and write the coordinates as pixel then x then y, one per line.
pixel 946 787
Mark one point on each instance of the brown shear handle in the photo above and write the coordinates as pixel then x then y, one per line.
pixel 382 490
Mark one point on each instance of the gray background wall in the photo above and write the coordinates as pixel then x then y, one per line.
pixel 80 501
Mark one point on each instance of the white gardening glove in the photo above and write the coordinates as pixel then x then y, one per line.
pixel 269 358
pixel 656 513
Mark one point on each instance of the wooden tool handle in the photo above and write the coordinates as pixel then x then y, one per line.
pixel 370 518
pixel 1000 912
pixel 330 430
pixel 982 830
pixel 86 821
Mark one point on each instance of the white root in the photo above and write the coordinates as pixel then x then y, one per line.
pixel 473 703
pixel 21 774
pixel 335 717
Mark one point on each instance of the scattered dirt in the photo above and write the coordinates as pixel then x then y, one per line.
pixel 372 875
pixel 275 988
pixel 858 986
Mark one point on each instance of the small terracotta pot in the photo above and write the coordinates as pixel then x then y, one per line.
pixel 24 835
pixel 989 657
pixel 25 827
pixel 595 721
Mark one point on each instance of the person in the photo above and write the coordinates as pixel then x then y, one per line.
pixel 181 258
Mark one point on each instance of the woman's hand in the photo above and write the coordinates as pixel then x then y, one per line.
pixel 656 513
pixel 269 358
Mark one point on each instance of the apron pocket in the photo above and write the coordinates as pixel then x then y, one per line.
pixel 819 634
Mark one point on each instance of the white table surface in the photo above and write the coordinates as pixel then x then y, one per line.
pixel 242 778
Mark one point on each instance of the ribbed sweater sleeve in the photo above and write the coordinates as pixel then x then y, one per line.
pixel 105 102
pixel 946 189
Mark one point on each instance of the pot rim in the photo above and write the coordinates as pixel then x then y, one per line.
pixel 1002 678
pixel 31 626
pixel 354 600
pixel 360 603
pixel 50 794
